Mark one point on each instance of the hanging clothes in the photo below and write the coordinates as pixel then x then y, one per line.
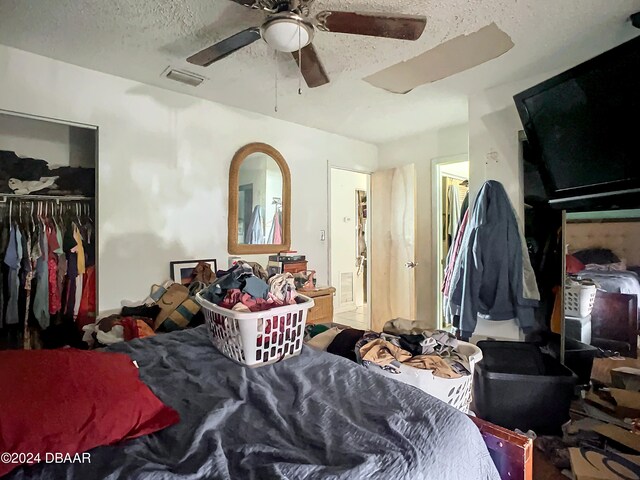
pixel 275 235
pixel 37 290
pixel 453 218
pixel 53 246
pixel 26 279
pixel 453 253
pixel 87 306
pixel 12 259
pixel 41 298
pixel 4 242
pixel 487 277
pixel 79 249
pixel 255 232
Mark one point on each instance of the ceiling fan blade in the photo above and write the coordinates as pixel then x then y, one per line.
pixel 402 27
pixel 246 3
pixel 216 52
pixel 312 69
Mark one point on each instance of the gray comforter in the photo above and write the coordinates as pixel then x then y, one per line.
pixel 614 281
pixel 312 416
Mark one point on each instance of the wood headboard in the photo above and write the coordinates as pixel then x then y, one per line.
pixel 622 238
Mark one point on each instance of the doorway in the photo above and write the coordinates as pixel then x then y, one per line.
pixel 349 247
pixel 450 187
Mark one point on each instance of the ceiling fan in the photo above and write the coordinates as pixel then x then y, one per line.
pixel 290 28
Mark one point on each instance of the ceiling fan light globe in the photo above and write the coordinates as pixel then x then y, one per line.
pixel 287 34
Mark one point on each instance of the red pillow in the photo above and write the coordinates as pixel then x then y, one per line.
pixel 70 401
pixel 574 265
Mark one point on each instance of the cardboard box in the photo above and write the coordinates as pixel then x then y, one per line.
pixel 627 378
pixel 619 435
pixel 594 464
pixel 627 402
pixel 601 370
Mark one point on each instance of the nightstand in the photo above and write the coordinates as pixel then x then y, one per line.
pixel 322 311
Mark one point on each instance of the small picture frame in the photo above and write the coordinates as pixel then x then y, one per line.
pixel 181 271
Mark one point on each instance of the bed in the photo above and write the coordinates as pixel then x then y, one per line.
pixel 312 416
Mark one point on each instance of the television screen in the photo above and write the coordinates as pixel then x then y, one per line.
pixel 584 124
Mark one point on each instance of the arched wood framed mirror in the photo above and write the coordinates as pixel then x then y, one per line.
pixel 259 201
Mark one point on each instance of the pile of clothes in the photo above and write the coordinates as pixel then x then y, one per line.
pixel 246 288
pixel 117 328
pixel 170 306
pixel 401 343
pixel 23 175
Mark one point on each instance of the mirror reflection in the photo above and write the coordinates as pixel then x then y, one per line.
pixel 260 201
pixel 602 286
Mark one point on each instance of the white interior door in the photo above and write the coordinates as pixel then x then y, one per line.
pixel 393 245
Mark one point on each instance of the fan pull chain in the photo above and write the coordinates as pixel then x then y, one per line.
pixel 299 61
pixel 275 58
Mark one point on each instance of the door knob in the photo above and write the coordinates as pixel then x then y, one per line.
pixel 411 265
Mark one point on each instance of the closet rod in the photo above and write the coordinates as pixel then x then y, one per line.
pixel 54 198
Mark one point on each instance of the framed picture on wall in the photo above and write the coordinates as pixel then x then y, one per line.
pixel 182 271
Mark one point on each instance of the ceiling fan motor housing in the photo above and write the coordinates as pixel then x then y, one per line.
pixel 287 32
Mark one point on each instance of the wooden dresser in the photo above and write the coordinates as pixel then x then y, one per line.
pixel 322 311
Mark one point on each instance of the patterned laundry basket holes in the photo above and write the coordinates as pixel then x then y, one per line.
pixel 253 338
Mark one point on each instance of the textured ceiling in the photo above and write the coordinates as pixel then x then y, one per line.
pixel 140 39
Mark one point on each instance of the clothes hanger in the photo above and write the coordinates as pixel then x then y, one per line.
pixel 78 214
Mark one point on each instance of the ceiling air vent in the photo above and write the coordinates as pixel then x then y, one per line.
pixel 183 77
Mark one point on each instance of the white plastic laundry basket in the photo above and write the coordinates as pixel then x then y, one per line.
pixel 454 391
pixel 257 338
pixel 578 299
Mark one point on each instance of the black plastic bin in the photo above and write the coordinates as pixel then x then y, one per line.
pixel 516 386
pixel 578 357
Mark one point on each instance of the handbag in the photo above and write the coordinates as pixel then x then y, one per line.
pixel 305 280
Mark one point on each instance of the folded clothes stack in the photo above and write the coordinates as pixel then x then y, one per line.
pixel 240 289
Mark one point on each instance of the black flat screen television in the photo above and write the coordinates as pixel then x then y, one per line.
pixel 584 126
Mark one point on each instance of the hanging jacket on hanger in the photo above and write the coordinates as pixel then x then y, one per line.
pixel 488 276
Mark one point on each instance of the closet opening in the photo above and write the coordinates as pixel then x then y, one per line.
pixel 48 231
pixel 349 247
pixel 451 190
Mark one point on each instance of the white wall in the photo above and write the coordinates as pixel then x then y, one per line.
pixel 494 148
pixel 421 150
pixel 163 167
pixel 344 224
